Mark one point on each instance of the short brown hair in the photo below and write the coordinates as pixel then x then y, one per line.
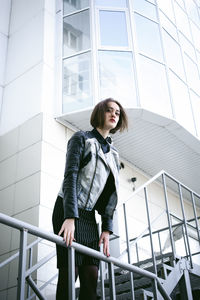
pixel 97 118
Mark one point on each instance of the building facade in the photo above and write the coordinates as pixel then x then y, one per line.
pixel 58 59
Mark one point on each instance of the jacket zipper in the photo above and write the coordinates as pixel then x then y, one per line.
pixel 92 179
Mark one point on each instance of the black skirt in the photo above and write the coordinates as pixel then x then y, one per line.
pixel 86 233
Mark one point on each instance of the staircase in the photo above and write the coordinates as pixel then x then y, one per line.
pixel 171 275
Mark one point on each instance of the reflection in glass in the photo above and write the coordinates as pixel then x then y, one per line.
pixel 76 33
pixel 182 21
pixel 181 103
pixel 145 8
pixel 111 3
pixel 166 6
pixel 77 82
pixel 154 93
pixel 173 54
pixel 70 6
pixel 117 76
pixel 113 33
pixel 148 31
pixel 192 74
pixel 168 25
pixel 196 110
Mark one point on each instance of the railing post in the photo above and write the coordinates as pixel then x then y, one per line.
pixel 30 262
pixel 71 273
pixel 185 224
pixel 102 281
pixel 128 250
pixel 112 281
pixel 168 218
pixel 151 242
pixel 22 265
pixel 195 216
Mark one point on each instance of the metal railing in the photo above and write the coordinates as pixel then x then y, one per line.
pixel 162 175
pixel 25 275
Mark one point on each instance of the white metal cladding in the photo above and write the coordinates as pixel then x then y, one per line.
pixel 152 143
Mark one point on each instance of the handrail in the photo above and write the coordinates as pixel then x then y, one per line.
pixel 143 187
pixel 152 180
pixel 28 228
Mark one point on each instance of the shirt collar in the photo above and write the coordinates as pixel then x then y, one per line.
pixel 100 138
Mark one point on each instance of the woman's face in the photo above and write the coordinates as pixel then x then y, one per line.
pixel 112 115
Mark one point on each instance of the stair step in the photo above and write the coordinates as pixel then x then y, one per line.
pixel 126 286
pixel 139 295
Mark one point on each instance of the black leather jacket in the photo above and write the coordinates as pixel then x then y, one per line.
pixel 86 172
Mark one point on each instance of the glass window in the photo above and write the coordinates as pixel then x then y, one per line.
pixel 145 8
pixel 76 33
pixel 113 33
pixel 117 76
pixel 168 25
pixel 181 103
pixel 192 74
pixel 154 93
pixel 196 35
pixel 193 11
pixel 182 21
pixel 111 3
pixel 166 7
pixel 173 54
pixel 77 82
pixel 187 46
pixel 70 6
pixel 196 110
pixel 148 31
pixel 181 3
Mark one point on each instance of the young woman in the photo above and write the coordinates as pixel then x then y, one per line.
pixel 90 183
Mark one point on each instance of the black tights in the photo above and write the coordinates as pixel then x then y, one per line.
pixel 88 282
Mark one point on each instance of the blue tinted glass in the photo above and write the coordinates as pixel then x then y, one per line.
pixel 148 37
pixel 111 3
pixel 74 5
pixel 113 30
pixel 146 9
pixel 77 82
pixel 117 76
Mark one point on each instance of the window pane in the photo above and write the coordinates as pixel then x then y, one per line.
pixel 113 33
pixel 181 3
pixel 76 33
pixel 166 6
pixel 73 5
pixel 182 21
pixel 192 74
pixel 168 25
pixel 181 103
pixel 196 111
pixel 117 76
pixel 111 3
pixel 154 94
pixel 196 35
pixel 192 11
pixel 145 8
pixel 173 54
pixel 148 31
pixel 187 46
pixel 76 83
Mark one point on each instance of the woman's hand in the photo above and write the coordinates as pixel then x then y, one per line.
pixel 104 238
pixel 68 231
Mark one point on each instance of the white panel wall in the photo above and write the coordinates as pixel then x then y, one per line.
pixel 29 71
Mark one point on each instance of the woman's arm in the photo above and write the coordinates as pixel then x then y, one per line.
pixel 74 156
